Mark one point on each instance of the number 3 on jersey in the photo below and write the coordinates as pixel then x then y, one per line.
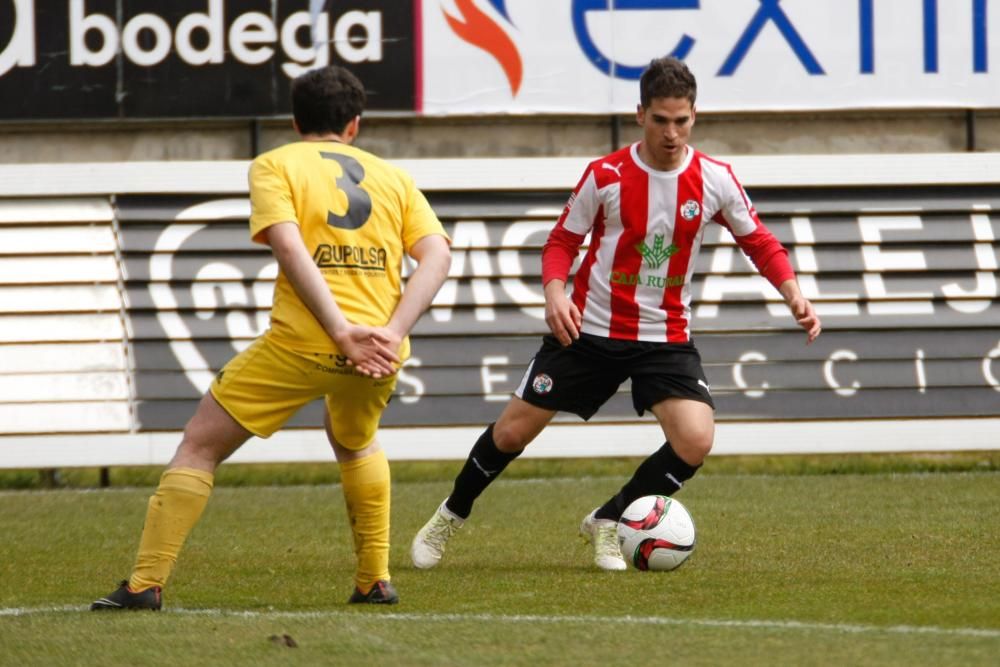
pixel 359 204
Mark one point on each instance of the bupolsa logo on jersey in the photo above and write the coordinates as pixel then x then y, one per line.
pixel 218 46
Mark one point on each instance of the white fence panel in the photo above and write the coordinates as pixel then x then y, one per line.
pixel 50 387
pixel 60 299
pixel 62 357
pixel 52 328
pixel 85 417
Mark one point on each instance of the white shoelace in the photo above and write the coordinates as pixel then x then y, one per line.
pixel 440 532
pixel 606 540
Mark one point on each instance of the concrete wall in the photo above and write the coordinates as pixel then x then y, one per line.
pixel 508 136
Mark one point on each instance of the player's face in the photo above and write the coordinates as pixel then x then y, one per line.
pixel 666 124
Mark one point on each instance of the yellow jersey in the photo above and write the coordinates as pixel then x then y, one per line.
pixel 357 214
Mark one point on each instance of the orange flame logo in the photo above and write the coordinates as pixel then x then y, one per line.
pixel 480 30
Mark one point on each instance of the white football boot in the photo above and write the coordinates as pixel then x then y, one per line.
pixel 428 545
pixel 603 534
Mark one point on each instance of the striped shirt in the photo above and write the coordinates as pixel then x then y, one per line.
pixel 646 227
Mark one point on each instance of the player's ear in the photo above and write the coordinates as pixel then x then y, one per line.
pixel 295 126
pixel 640 114
pixel 352 129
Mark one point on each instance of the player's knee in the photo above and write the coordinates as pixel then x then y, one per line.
pixel 693 445
pixel 196 452
pixel 355 441
pixel 702 447
pixel 509 438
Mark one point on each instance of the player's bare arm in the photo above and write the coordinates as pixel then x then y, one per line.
pixel 433 256
pixel 366 347
pixel 802 309
pixel 561 314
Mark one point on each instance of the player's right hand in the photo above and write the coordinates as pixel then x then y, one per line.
pixel 561 314
pixel 369 349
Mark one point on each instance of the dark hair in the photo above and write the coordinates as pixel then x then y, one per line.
pixel 667 77
pixel 326 99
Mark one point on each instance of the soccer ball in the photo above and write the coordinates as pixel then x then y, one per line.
pixel 656 533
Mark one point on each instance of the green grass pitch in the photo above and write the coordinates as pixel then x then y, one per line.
pixel 799 561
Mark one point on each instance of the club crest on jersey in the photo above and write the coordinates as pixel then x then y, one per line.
pixel 542 384
pixel 690 209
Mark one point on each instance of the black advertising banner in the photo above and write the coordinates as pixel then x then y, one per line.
pixel 194 58
pixel 908 296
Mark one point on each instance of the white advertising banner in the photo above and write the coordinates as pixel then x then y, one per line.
pixel 585 56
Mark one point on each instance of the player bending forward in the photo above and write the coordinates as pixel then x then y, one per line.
pixel 338 330
pixel 646 208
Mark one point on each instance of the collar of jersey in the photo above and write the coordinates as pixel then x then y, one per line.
pixel 657 173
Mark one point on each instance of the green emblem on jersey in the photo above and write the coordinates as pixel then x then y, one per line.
pixel 656 255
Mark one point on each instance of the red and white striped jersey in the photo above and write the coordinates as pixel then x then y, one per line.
pixel 646 227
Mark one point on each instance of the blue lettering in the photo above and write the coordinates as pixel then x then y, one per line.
pixel 602 62
pixel 769 10
pixel 930 26
pixel 867 23
pixel 930 36
pixel 979 62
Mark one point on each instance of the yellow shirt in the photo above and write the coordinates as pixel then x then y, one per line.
pixel 357 215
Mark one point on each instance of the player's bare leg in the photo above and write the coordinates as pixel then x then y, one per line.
pixel 689 426
pixel 210 437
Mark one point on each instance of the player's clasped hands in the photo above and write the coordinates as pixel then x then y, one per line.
pixel 372 350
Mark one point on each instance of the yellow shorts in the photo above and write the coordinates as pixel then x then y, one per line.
pixel 263 386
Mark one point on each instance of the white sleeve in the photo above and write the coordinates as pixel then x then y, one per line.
pixel 583 204
pixel 737 209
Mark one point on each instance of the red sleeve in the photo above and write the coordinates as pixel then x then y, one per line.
pixel 764 250
pixel 767 254
pixel 559 252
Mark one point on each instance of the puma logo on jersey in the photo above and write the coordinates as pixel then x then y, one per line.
pixel 615 168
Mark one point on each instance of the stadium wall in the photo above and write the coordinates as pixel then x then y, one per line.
pixel 125 286
pixel 398 136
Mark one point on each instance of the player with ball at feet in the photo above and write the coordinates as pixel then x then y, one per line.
pixel 645 208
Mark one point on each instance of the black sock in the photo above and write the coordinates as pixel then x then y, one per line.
pixel 662 473
pixel 485 463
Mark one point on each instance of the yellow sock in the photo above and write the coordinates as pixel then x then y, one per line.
pixel 366 486
pixel 173 511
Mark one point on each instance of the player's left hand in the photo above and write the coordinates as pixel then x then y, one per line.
pixel 806 317
pixel 390 339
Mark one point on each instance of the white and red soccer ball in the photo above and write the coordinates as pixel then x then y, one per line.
pixel 656 533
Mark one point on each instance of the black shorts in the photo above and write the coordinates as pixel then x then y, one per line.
pixel 582 377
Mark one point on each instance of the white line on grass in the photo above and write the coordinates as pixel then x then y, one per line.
pixel 555 619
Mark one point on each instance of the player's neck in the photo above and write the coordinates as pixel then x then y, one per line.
pixel 329 136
